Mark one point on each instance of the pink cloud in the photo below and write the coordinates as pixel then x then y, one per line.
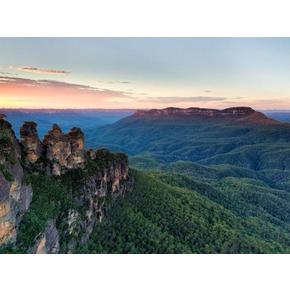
pixel 16 91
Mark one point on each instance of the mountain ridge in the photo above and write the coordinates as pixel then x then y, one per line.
pixel 54 191
pixel 243 114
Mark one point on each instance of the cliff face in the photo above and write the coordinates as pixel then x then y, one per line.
pixel 33 148
pixel 96 193
pixel 92 180
pixel 245 114
pixel 57 153
pixel 48 241
pixel 15 194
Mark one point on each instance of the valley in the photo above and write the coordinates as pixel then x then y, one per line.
pixel 201 181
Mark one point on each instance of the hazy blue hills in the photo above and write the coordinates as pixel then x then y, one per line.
pixel 173 213
pixel 255 144
pixel 280 115
pixel 66 118
pixel 209 183
pixel 205 181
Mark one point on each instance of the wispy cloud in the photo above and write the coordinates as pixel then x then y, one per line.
pixel 7 73
pixel 195 99
pixel 36 70
pixel 24 85
pixel 114 82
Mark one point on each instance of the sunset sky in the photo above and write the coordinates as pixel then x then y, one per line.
pixel 144 72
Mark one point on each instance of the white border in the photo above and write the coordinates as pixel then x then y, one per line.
pixel 144 18
pixel 148 272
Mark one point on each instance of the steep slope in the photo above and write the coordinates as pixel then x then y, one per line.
pixel 230 136
pixel 220 183
pixel 15 192
pixel 164 215
pixel 215 182
pixel 72 189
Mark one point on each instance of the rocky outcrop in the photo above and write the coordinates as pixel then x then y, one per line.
pixel 234 113
pixel 15 194
pixel 57 153
pixel 92 179
pixel 33 148
pixel 48 241
pixel 109 181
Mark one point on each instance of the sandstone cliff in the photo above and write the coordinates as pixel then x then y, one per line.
pixel 48 241
pixel 242 114
pixel 15 194
pixel 86 183
pixel 57 153
pixel 99 188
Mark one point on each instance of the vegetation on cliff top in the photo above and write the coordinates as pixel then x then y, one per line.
pixel 169 214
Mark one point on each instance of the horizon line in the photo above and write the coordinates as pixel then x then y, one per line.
pixel 130 109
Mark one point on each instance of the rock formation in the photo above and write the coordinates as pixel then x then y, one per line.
pixel 91 178
pixel 48 241
pixel 110 181
pixel 30 141
pixel 15 194
pixel 57 153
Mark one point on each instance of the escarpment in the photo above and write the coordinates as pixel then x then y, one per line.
pixel 15 193
pixel 240 114
pixel 57 153
pixel 73 188
pixel 33 148
pixel 105 177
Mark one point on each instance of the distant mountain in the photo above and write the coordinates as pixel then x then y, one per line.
pixel 279 115
pixel 213 181
pixel 243 114
pixel 238 136
pixel 66 118
pixel 204 181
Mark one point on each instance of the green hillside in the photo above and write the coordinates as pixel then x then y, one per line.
pixel 169 213
pixel 249 145
pixel 201 186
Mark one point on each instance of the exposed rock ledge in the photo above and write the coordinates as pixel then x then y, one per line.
pixel 48 241
pixel 15 194
pixel 57 153
pixel 244 114
pixel 106 176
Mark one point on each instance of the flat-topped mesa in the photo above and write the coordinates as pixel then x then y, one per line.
pixel 239 114
pixel 33 148
pixel 235 112
pixel 238 111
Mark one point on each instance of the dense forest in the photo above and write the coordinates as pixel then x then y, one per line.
pixel 199 186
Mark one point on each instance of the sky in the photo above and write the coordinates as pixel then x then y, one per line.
pixel 144 72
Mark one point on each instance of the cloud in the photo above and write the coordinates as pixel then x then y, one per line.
pixel 24 85
pixel 36 70
pixel 131 92
pixel 195 99
pixel 7 73
pixel 114 82
pixel 26 92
